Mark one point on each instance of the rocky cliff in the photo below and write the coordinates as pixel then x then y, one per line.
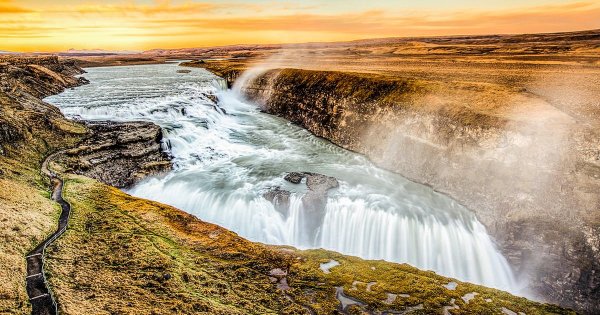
pixel 530 171
pixel 119 154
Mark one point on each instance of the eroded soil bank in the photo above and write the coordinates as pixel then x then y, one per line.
pixel 515 141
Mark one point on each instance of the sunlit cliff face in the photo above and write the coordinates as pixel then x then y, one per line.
pixel 32 25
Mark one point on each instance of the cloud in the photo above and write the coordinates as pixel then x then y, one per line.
pixel 15 31
pixel 206 23
pixel 7 7
pixel 574 16
pixel 158 8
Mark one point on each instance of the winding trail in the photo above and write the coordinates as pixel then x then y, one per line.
pixel 40 296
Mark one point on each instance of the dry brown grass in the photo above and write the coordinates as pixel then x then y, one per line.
pixel 27 216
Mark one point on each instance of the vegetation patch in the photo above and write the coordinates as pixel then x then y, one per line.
pixel 122 254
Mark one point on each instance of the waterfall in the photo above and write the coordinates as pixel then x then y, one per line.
pixel 225 160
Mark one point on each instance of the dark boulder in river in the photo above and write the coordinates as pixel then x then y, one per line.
pixel 294 177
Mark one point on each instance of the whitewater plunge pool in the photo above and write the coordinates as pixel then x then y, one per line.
pixel 227 154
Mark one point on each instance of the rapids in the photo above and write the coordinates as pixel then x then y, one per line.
pixel 227 155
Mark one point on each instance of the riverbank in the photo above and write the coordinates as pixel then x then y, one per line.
pixel 31 129
pixel 499 132
pixel 183 264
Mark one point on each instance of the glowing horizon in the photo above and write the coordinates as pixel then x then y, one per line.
pixel 31 25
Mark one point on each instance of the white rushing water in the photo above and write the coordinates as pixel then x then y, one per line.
pixel 228 154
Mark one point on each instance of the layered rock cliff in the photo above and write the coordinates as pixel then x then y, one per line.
pixel 119 154
pixel 529 171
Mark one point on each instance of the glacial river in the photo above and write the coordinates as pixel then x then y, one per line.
pixel 228 154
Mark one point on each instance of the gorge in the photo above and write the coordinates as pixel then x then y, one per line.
pixel 511 144
pixel 227 154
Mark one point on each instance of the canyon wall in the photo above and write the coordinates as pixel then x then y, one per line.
pixel 530 171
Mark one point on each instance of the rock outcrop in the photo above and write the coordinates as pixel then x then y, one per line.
pixel 229 73
pixel 313 201
pixel 119 154
pixel 280 199
pixel 529 171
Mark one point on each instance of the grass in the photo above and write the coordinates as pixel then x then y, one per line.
pixel 122 254
pixel 27 215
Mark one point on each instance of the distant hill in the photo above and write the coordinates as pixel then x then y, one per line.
pixel 95 52
pixel 247 50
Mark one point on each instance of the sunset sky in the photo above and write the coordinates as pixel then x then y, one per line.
pixel 30 25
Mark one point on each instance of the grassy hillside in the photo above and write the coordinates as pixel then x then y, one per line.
pixel 29 130
pixel 127 255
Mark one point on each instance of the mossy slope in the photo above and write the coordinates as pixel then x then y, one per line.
pixel 29 130
pixel 122 254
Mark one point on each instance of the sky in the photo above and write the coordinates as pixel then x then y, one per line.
pixel 58 25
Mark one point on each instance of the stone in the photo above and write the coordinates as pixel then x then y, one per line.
pixel 294 177
pixel 119 154
pixel 280 199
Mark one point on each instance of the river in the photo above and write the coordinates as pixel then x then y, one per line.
pixel 227 154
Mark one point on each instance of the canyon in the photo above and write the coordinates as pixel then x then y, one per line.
pixel 125 254
pixel 510 133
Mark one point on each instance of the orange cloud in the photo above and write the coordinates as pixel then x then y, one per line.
pixel 378 23
pixel 170 24
pixel 7 7
pixel 159 7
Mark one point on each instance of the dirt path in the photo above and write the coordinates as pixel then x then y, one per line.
pixel 40 296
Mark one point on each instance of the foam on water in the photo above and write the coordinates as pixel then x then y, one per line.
pixel 226 156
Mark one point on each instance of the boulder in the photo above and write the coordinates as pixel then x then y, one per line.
pixel 294 177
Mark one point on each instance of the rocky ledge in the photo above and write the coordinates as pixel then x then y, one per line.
pixel 119 154
pixel 230 72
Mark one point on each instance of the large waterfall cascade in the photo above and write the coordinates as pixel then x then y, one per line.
pixel 228 154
